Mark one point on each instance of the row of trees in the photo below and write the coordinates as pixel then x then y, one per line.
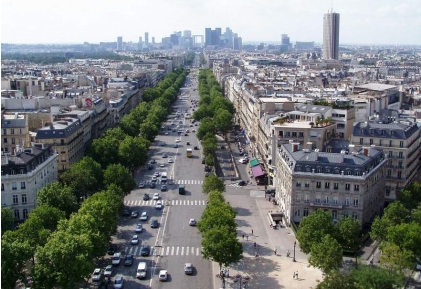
pixel 63 237
pixel 215 113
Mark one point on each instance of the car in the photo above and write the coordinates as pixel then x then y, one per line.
pixel 152 185
pixel 185 134
pixel 150 167
pixel 141 184
pixel 196 147
pixel 163 126
pixel 145 251
pixel 146 197
pixel 170 160
pixel 115 259
pixel 97 275
pixel 188 268
pixel 158 205
pixel 242 183
pixel 135 214
pixel 174 130
pixel 156 196
pixel 111 249
pixel 222 147
pixel 152 161
pixel 161 165
pixel 164 155
pixel 188 143
pixel 163 144
pixel 180 122
pixel 139 228
pixel 163 275
pixel 156 174
pixel 418 266
pixel 144 216
pixel 195 124
pixel 192 222
pixel 191 125
pixel 127 211
pixel 108 271
pixel 166 133
pixel 243 161
pixel 135 240
pixel 128 260
pixel 118 281
pixel 176 145
pixel 193 130
pixel 154 224
pixel 177 140
pixel 270 191
pixel 208 169
pixel 203 161
pixel 163 188
pixel 154 179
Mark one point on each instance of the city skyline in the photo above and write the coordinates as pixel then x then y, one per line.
pixel 378 22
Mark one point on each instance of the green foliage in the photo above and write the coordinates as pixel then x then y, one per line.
pixel 213 183
pixel 133 152
pixel 396 214
pixel 349 234
pixel 406 237
pixel 120 176
pixel 379 229
pixel 395 258
pixel 207 127
pixel 337 279
pixel 411 196
pixel 223 120
pixel 7 220
pixel 217 215
pixel 326 254
pixel 313 228
pixel 58 196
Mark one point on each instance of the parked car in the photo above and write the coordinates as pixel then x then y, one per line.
pixel 128 260
pixel 139 228
pixel 118 281
pixel 150 167
pixel 242 183
pixel 154 224
pixel 108 271
pixel 163 275
pixel 111 250
pixel 146 197
pixel 97 275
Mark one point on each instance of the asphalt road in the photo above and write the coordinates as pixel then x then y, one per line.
pixel 174 242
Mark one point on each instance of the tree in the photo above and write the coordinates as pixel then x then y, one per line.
pixel 395 258
pixel 130 125
pixel 213 183
pixel 375 277
pixel 210 160
pixel 411 196
pixel 120 176
pixel 223 120
pixel 105 149
pixel 337 279
pixel 379 229
pixel 216 197
pixel 7 220
pixel 406 237
pixel 58 196
pixel 313 228
pixel 133 152
pixel 207 126
pixel 220 245
pixel 396 214
pixel 349 234
pixel 326 255
pixel 217 215
pixel 148 130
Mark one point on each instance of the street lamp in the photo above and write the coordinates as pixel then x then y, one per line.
pixel 295 244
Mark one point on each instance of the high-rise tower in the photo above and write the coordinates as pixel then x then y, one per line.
pixel 119 43
pixel 146 39
pixel 331 36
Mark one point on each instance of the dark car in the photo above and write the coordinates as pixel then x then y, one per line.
pixel 152 161
pixel 241 183
pixel 150 167
pixel 152 185
pixel 111 250
pixel 196 147
pixel 208 169
pixel 141 185
pixel 127 211
pixel 163 188
pixel 128 260
pixel 270 191
pixel 145 251
pixel 154 224
pixel 203 161
pixel 146 197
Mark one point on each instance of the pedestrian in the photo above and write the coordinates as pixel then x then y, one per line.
pixel 293 275
pixel 296 275
pixel 247 237
pixel 270 199
pixel 288 253
pixel 252 231
pixel 254 244
pixel 275 251
pixel 228 273
pixel 243 236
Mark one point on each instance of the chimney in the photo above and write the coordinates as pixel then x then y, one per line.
pixel 295 146
pixel 365 151
pixel 309 145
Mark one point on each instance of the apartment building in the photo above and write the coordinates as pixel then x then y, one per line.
pixel 399 139
pixel 23 174
pixel 344 184
pixel 14 132
pixel 66 137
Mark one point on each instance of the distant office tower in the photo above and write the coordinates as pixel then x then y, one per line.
pixel 331 36
pixel 187 33
pixel 153 40
pixel 146 39
pixel 285 42
pixel 208 36
pixel 174 39
pixel 140 44
pixel 119 43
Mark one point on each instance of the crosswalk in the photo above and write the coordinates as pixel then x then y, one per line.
pixel 179 182
pixel 166 202
pixel 235 185
pixel 166 251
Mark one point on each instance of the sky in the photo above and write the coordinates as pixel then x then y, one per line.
pixel 396 22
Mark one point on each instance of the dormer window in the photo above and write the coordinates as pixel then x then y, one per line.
pixel 392 132
pixel 371 131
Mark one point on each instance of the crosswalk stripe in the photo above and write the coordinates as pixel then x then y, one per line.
pixel 182 251
pixel 172 250
pixel 177 251
pixel 172 202
pixel 187 251
pixel 168 251
pixel 197 252
pixel 192 250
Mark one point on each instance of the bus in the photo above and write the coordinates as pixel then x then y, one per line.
pixel 189 153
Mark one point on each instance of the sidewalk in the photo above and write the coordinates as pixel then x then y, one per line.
pixel 266 270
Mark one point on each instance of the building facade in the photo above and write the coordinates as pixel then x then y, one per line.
pixel 15 132
pixel 23 174
pixel 331 36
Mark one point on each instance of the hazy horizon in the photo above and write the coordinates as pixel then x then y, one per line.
pixel 375 22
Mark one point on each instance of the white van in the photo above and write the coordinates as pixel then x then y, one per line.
pixel 115 260
pixel 142 269
pixel 164 177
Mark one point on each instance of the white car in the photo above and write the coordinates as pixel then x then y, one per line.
pixel 158 205
pixel 118 281
pixel 192 222
pixel 97 275
pixel 135 240
pixel 108 271
pixel 170 160
pixel 163 275
pixel 139 228
pixel 162 165
pixel 177 140
pixel 156 196
pixel 242 161
pixel 193 130
pixel 144 216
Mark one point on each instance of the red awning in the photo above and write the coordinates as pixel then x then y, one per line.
pixel 257 171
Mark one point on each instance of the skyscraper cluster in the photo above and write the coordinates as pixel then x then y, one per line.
pixel 214 37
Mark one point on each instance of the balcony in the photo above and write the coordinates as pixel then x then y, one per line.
pixel 323 205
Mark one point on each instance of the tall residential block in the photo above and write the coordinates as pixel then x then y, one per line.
pixel 140 44
pixel 119 43
pixel 331 36
pixel 146 39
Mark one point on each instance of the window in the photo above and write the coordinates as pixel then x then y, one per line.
pixel 399 175
pixel 306 198
pixel 17 217
pixel 380 142
pixel 346 201
pixel 371 141
pixel 14 186
pixel 2 186
pixel 305 212
pixel 22 185
pixel 355 215
pixel 25 213
pixel 327 185
pixel 391 143
pixel 335 200
pixel 347 187
pixel 5 140
pixel 335 186
pixel 294 134
pixel 12 131
pixel 24 199
pixel 401 144
pixel 335 215
pixel 390 154
pixel 298 184
pixel 297 213
pixel 4 131
pixel 387 192
pixel 355 203
pixel 326 200
pixel 401 155
pixel 15 200
pixel 307 184
pixel 300 134
pixel 318 185
pixel 346 214
pixel 356 188
pixel 361 141
pixel 298 197
pixel 389 173
pixel 317 199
